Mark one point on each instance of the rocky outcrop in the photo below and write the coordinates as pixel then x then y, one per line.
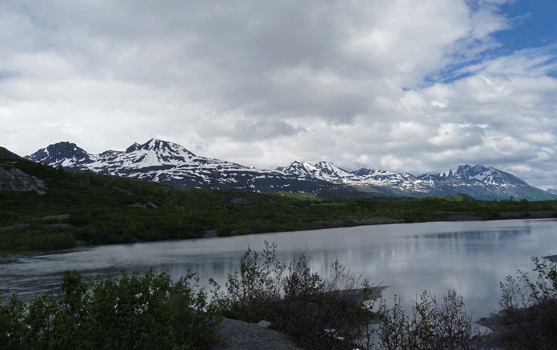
pixel 13 179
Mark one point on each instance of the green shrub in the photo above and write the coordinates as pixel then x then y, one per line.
pixel 432 326
pixel 132 312
pixel 313 311
pixel 530 308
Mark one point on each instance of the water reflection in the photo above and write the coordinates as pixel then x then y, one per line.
pixel 471 257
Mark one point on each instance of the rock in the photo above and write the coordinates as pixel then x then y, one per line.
pixel 123 190
pixel 15 179
pixel 264 324
pixel 238 335
pixel 79 243
pixel 241 201
pixel 210 234
pixel 14 226
pixel 59 225
pixel 57 217
pixel 140 205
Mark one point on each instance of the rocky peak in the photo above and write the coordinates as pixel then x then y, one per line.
pixel 133 147
pixel 476 173
pixel 301 169
pixel 61 153
pixel 331 169
pixel 164 151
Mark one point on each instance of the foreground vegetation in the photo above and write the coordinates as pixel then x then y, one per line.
pixel 88 208
pixel 132 312
pixel 530 308
pixel 151 311
pixel 315 312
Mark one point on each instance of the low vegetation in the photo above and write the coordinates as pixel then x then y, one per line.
pixel 84 208
pixel 530 308
pixel 432 325
pixel 132 312
pixel 315 312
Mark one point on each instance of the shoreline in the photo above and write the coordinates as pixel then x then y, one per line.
pixel 7 257
pixel 350 222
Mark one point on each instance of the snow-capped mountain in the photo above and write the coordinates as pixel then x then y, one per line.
pixel 478 181
pixel 483 182
pixel 404 183
pixel 477 173
pixel 172 164
pixel 63 154
pixel 326 171
pixel 552 191
pixel 378 180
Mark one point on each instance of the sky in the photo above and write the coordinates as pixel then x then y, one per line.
pixel 400 85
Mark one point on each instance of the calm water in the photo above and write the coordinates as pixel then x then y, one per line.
pixel 471 257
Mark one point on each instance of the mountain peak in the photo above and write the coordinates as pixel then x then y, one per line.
pixel 167 162
pixel 63 153
pixel 133 147
pixel 300 168
pixel 157 152
pixel 332 170
pixel 477 173
pixel 163 146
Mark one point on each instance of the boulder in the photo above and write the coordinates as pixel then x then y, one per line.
pixel 15 179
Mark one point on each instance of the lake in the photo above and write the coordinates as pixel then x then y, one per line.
pixel 471 257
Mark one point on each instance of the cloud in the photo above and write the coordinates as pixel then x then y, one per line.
pixel 457 136
pixel 248 131
pixel 531 61
pixel 409 85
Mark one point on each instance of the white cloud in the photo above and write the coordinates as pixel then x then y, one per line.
pixel 531 61
pixel 264 83
pixel 541 138
pixel 457 136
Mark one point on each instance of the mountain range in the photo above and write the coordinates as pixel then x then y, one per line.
pixel 172 164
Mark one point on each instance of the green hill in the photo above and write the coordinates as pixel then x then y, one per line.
pixel 7 155
pixel 84 208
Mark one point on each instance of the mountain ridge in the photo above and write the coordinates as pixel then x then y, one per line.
pixel 172 164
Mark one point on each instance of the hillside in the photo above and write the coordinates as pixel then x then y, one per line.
pixel 85 208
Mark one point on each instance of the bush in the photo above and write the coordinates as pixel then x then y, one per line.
pixel 432 326
pixel 132 312
pixel 334 313
pixel 315 312
pixel 530 308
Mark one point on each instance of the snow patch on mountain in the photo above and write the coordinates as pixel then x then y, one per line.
pixel 552 191
pixel 328 171
pixel 172 164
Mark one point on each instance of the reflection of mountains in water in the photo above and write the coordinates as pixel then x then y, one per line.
pixel 499 235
